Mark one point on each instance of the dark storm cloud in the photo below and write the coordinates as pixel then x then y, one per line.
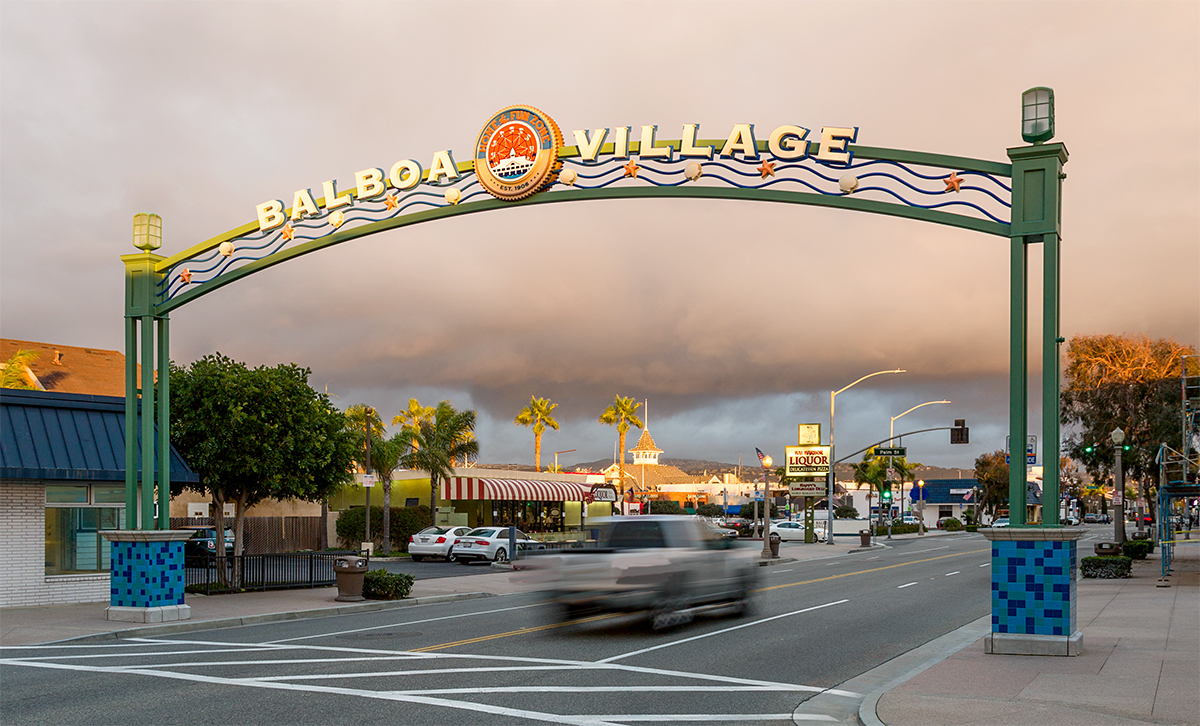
pixel 735 320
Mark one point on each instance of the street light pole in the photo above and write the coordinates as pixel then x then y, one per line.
pixel 892 440
pixel 1118 438
pixel 921 511
pixel 832 458
pixel 556 458
pixel 766 532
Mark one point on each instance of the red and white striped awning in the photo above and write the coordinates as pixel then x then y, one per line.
pixel 520 490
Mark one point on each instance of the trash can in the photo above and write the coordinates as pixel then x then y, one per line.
pixel 865 536
pixel 350 572
pixel 773 543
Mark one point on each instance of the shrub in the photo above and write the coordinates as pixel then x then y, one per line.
pixel 971 528
pixel 882 530
pixel 951 525
pixel 665 506
pixel 405 522
pixel 1136 549
pixel 747 511
pixel 710 510
pixel 383 585
pixel 1106 568
pixel 846 511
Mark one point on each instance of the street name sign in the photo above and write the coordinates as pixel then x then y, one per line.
pixel 891 451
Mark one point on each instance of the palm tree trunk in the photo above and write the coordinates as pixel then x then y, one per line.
pixel 387 516
pixel 621 469
pixel 537 452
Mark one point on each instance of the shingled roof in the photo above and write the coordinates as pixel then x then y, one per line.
pixel 71 369
pixel 645 443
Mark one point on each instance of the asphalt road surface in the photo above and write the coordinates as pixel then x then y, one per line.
pixel 814 625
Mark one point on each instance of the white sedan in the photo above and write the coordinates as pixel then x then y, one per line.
pixel 489 543
pixel 435 542
pixel 792 531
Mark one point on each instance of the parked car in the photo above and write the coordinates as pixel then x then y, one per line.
pixel 723 532
pixel 203 542
pixel 435 542
pixel 489 543
pixel 1001 522
pixel 909 519
pixel 794 531
pixel 1071 520
pixel 1090 518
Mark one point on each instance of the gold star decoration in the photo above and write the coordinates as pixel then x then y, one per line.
pixel 952 182
pixel 186 275
pixel 631 169
pixel 767 169
pixel 288 231
pixel 390 201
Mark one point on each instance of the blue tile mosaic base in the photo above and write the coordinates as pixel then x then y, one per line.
pixel 146 574
pixel 1033 587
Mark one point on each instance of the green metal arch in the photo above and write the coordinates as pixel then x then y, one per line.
pixel 571 195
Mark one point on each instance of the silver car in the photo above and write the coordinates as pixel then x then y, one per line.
pixel 435 542
pixel 490 543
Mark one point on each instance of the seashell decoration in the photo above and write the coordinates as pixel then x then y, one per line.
pixel 848 184
pixel 337 218
pixel 693 171
pixel 226 249
pixel 568 177
pixel 453 195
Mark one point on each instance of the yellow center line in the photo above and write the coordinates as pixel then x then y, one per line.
pixel 524 631
pixel 874 569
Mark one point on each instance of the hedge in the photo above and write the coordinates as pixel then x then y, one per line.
pixel 1136 549
pixel 405 521
pixel 1106 568
pixel 951 525
pixel 882 530
pixel 383 585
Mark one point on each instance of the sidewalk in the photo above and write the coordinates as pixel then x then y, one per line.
pixel 1140 664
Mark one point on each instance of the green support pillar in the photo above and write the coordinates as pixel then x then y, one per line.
pixel 164 424
pixel 1018 378
pixel 1036 218
pixel 141 283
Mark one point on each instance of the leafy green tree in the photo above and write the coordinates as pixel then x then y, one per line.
pixel 710 510
pixel 665 506
pixel 257 434
pixel 450 435
pixel 747 511
pixel 991 473
pixel 537 414
pixel 905 471
pixel 846 511
pixel 1127 382
pixel 15 373
pixel 621 413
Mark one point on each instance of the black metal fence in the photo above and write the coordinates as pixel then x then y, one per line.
pixel 209 574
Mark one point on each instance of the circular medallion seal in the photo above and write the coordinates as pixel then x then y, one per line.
pixel 516 154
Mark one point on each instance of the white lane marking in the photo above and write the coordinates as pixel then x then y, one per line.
pixel 127 643
pixel 831 564
pixel 719 632
pixel 489 709
pixel 906 585
pixel 400 624
pixel 276 661
pixel 715 717
pixel 607 689
pixel 780 572
pixel 951 573
pixel 422 672
pixel 986 564
pixel 872 558
pixel 142 655
pixel 917 552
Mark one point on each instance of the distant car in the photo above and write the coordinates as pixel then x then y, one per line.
pixel 489 543
pixel 794 531
pixel 203 542
pixel 909 519
pixel 1002 522
pixel 1090 518
pixel 1071 520
pixel 435 542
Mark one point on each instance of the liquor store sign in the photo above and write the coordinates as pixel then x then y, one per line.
pixel 807 461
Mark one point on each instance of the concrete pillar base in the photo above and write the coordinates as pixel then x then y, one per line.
pixel 1022 644
pixel 162 614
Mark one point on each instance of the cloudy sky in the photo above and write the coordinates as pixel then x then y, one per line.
pixel 734 319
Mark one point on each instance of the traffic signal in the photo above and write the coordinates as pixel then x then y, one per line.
pixel 885 492
pixel 960 434
pixel 1089 449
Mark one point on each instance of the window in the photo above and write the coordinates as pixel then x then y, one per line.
pixel 76 514
pixel 945 512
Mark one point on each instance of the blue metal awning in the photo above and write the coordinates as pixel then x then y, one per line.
pixel 69 437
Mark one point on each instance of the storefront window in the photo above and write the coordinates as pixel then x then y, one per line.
pixel 74 521
pixel 529 516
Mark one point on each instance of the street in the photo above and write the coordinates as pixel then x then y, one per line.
pixel 816 623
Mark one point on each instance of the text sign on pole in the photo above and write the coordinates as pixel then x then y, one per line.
pixel 368 480
pixel 1030 449
pixel 807 461
pixel 807 488
pixel 891 451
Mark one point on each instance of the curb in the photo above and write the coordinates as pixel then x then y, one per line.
pixel 928 655
pixel 194 625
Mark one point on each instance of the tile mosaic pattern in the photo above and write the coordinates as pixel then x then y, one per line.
pixel 1033 587
pixel 147 574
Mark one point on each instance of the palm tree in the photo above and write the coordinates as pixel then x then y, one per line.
pixel 450 435
pixel 415 415
pixel 14 373
pixel 905 470
pixel 365 422
pixel 538 415
pixel 871 472
pixel 621 413
pixel 385 458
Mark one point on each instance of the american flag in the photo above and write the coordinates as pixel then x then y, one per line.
pixel 968 495
pixel 761 456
